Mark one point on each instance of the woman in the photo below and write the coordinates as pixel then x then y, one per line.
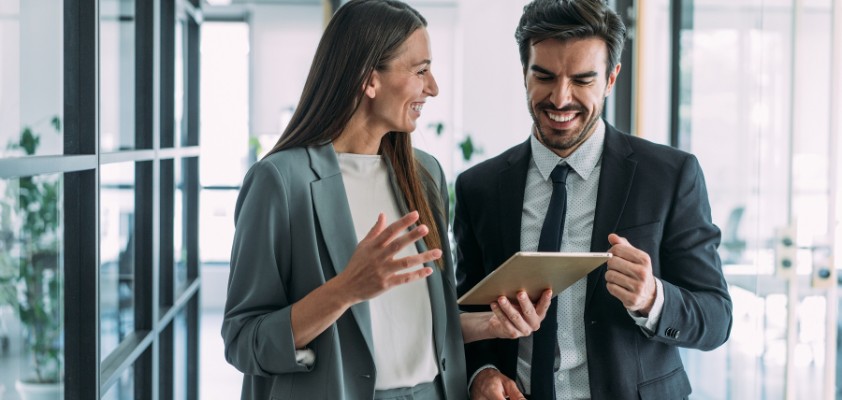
pixel 305 251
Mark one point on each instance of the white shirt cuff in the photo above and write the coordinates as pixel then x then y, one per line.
pixel 650 324
pixel 480 369
pixel 305 357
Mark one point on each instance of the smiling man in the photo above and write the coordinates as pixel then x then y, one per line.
pixel 578 184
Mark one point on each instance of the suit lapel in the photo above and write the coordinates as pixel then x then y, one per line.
pixel 334 218
pixel 510 191
pixel 615 182
pixel 434 281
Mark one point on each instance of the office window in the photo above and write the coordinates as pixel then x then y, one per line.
pixel 31 77
pixel 31 281
pixel 81 225
pixel 753 107
pixel 117 75
pixel 117 254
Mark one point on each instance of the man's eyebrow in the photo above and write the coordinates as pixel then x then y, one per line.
pixel 585 75
pixel 541 70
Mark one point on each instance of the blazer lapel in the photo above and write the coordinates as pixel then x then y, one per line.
pixel 615 182
pixel 511 190
pixel 334 218
pixel 434 281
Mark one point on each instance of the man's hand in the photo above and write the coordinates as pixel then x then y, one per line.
pixel 629 277
pixel 491 384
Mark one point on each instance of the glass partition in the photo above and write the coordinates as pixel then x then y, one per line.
pixel 31 282
pixel 754 110
pixel 117 75
pixel 117 255
pixel 31 77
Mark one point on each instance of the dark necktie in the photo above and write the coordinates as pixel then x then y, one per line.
pixel 544 339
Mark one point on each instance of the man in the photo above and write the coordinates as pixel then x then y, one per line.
pixel 616 333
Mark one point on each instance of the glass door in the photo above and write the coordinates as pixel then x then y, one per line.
pixel 753 102
pixel 754 105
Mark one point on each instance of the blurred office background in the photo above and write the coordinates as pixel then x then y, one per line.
pixel 126 127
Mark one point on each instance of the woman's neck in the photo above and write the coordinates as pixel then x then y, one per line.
pixel 358 137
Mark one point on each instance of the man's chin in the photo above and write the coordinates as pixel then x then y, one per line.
pixel 559 140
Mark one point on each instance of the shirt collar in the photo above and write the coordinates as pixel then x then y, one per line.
pixel 582 161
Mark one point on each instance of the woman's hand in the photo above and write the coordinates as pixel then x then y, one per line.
pixel 506 320
pixel 371 271
pixel 373 268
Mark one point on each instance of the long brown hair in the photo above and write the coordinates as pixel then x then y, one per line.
pixel 362 36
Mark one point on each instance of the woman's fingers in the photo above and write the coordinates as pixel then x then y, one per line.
pixel 533 314
pixel 395 228
pixel 515 316
pixel 413 260
pixel 406 239
pixel 377 228
pixel 404 278
pixel 505 329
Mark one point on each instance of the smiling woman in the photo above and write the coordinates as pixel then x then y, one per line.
pixel 399 89
pixel 311 278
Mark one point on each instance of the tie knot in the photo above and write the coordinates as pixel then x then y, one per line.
pixel 559 174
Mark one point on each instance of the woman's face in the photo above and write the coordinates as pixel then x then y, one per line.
pixel 399 91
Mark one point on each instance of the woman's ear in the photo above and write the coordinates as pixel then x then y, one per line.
pixel 372 84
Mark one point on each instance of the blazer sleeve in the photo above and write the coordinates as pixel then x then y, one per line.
pixel 697 307
pixel 256 328
pixel 469 271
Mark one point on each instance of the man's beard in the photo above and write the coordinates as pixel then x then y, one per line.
pixel 554 139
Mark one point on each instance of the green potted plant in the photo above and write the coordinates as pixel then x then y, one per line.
pixel 34 248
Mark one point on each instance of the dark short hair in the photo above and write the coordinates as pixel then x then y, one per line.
pixel 570 19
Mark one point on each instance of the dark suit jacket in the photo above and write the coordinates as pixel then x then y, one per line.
pixel 654 196
pixel 293 233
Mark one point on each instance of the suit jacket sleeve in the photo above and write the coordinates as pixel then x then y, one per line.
pixel 469 271
pixel 697 306
pixel 256 328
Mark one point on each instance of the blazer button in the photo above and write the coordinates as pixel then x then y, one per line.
pixel 443 365
pixel 366 376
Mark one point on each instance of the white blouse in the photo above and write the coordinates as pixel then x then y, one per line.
pixel 401 318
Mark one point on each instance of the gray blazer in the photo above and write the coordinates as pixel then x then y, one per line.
pixel 294 232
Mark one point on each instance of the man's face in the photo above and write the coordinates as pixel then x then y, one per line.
pixel 566 87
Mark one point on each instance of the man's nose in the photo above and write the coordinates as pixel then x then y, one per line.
pixel 561 94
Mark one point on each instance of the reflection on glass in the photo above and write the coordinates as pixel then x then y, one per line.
pixel 123 389
pixel 759 128
pixel 31 77
pixel 117 74
pixel 180 367
pixel 180 56
pixel 180 245
pixel 31 323
pixel 117 211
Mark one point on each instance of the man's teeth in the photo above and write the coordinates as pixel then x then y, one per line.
pixel 561 118
pixel 416 107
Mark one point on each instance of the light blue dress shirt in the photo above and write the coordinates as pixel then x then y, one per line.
pixel 582 185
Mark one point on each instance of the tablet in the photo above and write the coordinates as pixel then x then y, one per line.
pixel 533 272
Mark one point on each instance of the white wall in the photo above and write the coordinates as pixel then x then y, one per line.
pixel 475 61
pixel 494 102
pixel 284 39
